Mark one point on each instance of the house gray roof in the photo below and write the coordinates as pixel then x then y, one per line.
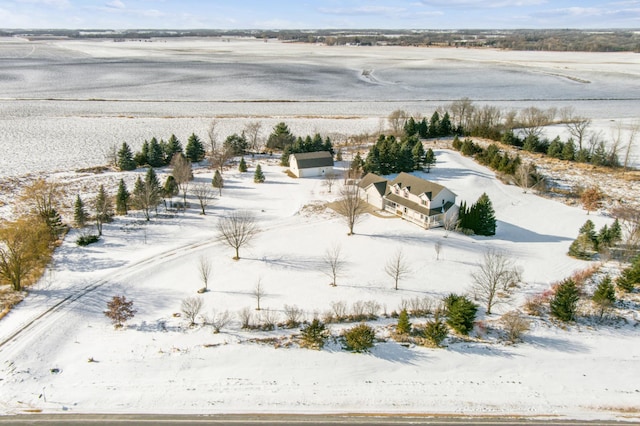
pixel 417 186
pixel 401 201
pixel 379 183
pixel 307 160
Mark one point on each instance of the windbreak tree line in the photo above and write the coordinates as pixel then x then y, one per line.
pixel 390 155
pixel 156 153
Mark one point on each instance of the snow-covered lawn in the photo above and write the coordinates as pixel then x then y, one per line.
pixel 157 364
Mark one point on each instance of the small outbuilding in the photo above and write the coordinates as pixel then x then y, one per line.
pixel 311 164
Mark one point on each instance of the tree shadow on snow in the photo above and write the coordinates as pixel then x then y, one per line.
pixel 509 232
pixel 299 263
pixel 560 345
pixel 395 352
pixel 483 349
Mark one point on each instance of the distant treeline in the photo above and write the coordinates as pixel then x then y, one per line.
pixel 616 40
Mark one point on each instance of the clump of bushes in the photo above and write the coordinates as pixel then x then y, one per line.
pixel 359 338
pixel 314 335
pixel 461 313
pixel 85 240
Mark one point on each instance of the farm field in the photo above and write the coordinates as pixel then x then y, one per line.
pixel 65 103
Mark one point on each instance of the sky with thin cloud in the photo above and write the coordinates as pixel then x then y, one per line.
pixel 302 14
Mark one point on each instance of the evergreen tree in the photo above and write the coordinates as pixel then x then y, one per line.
pixel 236 144
pixel 170 187
pixel 461 313
pixel 195 149
pixel 258 176
pixel 242 167
pixel 125 158
pixel 217 181
pixel 141 156
pixel 605 295
pixel 429 160
pixel 418 156
pixel 280 137
pixel 423 129
pixel 410 127
pixel 339 155
pixel 445 128
pixel 314 335
pixel 80 215
pixel 155 157
pixel 172 147
pixel 403 326
pixel 565 301
pixel 569 151
pixel 434 125
pixel 435 331
pixel 122 198
pixel 630 277
pixel 486 216
pixel 53 220
pixel 103 209
pixel 615 232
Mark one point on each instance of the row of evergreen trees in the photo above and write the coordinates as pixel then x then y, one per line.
pixel 389 155
pixel 158 154
pixel 597 155
pixel 479 217
pixel 491 156
pixel 590 242
pixel 434 128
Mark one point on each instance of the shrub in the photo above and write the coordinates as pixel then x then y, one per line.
pixel 119 310
pixel 630 277
pixel 435 331
pixel 565 301
pixel 85 240
pixel 339 310
pixel 218 320
pixel 293 315
pixel 403 326
pixel 314 335
pixel 461 313
pixel 605 296
pixel 246 317
pixel 359 338
pixel 514 325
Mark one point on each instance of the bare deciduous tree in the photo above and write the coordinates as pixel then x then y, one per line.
pixel 397 267
pixel 496 279
pixel 534 119
pixel 397 119
pixel 237 230
pixel 577 127
pixel 191 307
pixel 450 223
pixel 629 218
pixel 329 181
pixel 438 248
pixel 205 267
pixel 527 177
pixel 515 325
pixel 218 320
pixel 334 263
pixel 461 112
pixel 258 293
pixel 119 310
pixel 218 154
pixel 204 194
pixel 591 198
pixel 351 206
pixel 252 132
pixel 633 134
pixel 182 173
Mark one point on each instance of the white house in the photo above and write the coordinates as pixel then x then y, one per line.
pixel 310 164
pixel 424 203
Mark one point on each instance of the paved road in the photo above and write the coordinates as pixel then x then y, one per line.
pixel 289 420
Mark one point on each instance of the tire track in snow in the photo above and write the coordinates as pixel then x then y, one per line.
pixel 35 324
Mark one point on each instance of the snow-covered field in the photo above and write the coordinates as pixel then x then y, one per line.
pixel 64 103
pixel 157 364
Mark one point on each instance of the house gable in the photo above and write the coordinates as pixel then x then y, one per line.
pixel 307 164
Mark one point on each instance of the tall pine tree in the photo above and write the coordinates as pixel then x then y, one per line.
pixel 122 198
pixel 80 215
pixel 195 149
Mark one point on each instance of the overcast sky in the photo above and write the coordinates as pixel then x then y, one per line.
pixel 319 14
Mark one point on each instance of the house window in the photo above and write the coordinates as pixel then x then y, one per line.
pixel 424 202
pixel 405 209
